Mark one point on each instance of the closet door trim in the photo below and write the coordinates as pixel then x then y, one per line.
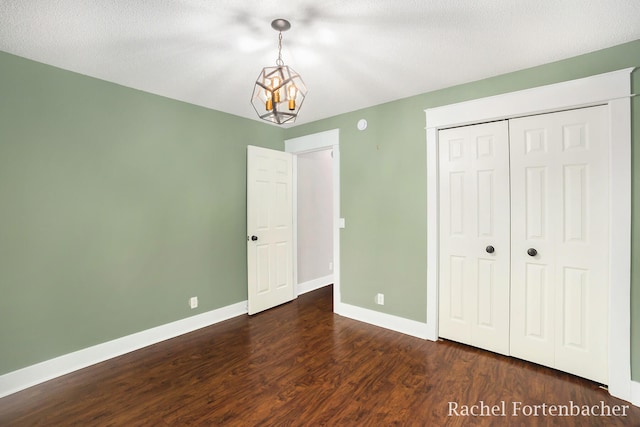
pixel 612 89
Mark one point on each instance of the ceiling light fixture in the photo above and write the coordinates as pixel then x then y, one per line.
pixel 279 91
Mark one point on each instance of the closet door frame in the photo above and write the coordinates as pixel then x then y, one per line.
pixel 611 89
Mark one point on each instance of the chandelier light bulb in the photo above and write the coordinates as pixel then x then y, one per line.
pixel 276 89
pixel 292 97
pixel 268 105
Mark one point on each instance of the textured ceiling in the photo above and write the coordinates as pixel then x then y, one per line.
pixel 352 53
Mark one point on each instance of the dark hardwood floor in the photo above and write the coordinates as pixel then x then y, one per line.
pixel 299 364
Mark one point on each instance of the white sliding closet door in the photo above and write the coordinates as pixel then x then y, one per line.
pixel 559 202
pixel 474 235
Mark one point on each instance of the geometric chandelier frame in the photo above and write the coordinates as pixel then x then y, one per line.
pixel 279 91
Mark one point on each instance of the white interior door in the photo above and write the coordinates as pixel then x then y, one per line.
pixel 559 284
pixel 474 235
pixel 269 228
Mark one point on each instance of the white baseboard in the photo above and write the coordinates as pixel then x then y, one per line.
pixel 387 321
pixel 635 393
pixel 15 381
pixel 312 285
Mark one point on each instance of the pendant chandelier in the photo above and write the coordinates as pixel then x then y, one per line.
pixel 279 91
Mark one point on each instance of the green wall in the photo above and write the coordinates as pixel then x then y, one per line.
pixel 383 185
pixel 116 206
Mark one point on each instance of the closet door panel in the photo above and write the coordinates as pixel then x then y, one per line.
pixel 532 304
pixel 565 220
pixel 455 228
pixel 474 243
pixel 583 257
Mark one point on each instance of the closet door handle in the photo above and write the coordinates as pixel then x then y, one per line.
pixel 532 252
pixel 254 238
pixel 490 249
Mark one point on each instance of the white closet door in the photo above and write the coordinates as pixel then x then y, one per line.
pixel 474 235
pixel 559 199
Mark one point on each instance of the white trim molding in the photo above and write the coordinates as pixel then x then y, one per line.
pixel 312 285
pixel 314 142
pixel 21 379
pixel 383 320
pixel 612 89
pixel 635 393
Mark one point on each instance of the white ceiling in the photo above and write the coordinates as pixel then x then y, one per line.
pixel 351 54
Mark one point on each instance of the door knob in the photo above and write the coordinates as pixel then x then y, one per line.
pixel 490 249
pixel 254 238
pixel 532 252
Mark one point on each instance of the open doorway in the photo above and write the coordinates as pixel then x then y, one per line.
pixel 314 194
pixel 316 211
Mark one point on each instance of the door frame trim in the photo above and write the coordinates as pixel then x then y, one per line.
pixel 612 89
pixel 306 144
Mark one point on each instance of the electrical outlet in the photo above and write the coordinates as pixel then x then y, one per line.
pixel 380 299
pixel 330 266
pixel 193 302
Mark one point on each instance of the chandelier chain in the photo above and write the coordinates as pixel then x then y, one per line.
pixel 279 61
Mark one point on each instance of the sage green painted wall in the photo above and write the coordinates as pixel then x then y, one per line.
pixel 116 206
pixel 383 185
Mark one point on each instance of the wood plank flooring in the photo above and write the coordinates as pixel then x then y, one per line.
pixel 301 365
